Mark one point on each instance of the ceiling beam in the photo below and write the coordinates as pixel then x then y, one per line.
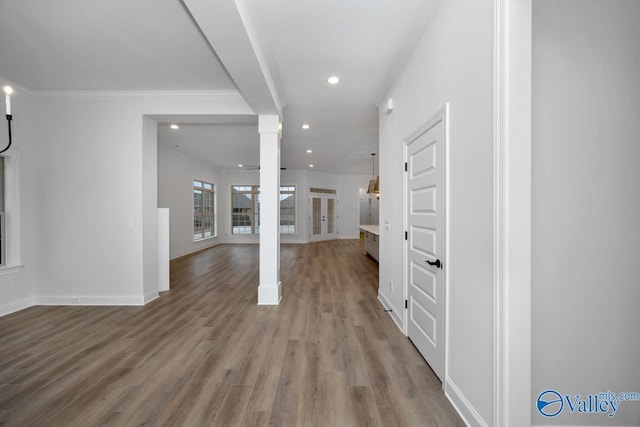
pixel 229 31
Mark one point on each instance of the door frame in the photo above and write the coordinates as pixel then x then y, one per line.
pixel 512 99
pixel 441 114
pixel 323 197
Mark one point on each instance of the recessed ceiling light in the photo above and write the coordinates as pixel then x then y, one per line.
pixel 175 127
pixel 333 80
pixel 309 151
pixel 305 126
pixel 240 165
pixel 310 166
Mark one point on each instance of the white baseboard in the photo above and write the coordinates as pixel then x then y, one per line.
pixel 71 300
pixel 270 295
pixel 293 241
pixel 150 297
pixel 460 403
pixel 395 315
pixel 89 300
pixel 15 306
pixel 238 239
pixel 179 254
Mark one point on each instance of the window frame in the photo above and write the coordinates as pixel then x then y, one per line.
pixel 253 193
pixel 201 215
pixel 253 213
pixel 293 228
pixel 12 215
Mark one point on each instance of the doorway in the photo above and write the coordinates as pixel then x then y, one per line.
pixel 323 215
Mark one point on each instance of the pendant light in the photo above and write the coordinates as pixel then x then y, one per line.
pixel 374 183
pixel 8 91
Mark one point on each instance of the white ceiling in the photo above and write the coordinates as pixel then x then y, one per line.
pixel 105 45
pixel 223 145
pixel 155 44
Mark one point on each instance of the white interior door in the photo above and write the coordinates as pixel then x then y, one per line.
pixel 323 217
pixel 425 241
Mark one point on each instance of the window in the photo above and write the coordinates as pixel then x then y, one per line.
pixel 245 209
pixel 288 210
pixel 204 224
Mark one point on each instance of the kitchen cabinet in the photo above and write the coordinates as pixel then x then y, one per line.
pixel 371 240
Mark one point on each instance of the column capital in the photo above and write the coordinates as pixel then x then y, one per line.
pixel 268 123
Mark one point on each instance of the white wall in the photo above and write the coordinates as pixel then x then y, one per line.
pixel 176 173
pixel 227 179
pixel 452 63
pixel 88 194
pixel 17 282
pixel 586 203
pixel 348 188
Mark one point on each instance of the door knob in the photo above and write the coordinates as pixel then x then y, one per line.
pixel 437 263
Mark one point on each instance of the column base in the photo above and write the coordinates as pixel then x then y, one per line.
pixel 269 295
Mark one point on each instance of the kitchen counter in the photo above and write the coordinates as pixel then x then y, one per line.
pixel 374 229
pixel 371 236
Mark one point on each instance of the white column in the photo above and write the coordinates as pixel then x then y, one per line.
pixel 269 289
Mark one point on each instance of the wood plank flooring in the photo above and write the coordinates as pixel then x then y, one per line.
pixel 205 354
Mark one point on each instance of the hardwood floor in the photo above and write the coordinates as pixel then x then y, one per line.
pixel 205 354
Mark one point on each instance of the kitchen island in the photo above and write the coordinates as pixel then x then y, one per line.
pixel 371 237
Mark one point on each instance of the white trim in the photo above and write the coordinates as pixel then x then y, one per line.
pixel 12 204
pixel 150 297
pixel 394 311
pixel 447 252
pixel 138 94
pixel 15 306
pixel 270 295
pixel 498 210
pixel 461 404
pixel 405 245
pixel 89 300
pixel 10 269
pixel 512 213
pixel 194 250
pixel 76 300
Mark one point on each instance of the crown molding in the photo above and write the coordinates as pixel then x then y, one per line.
pixel 124 94
pixel 138 94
